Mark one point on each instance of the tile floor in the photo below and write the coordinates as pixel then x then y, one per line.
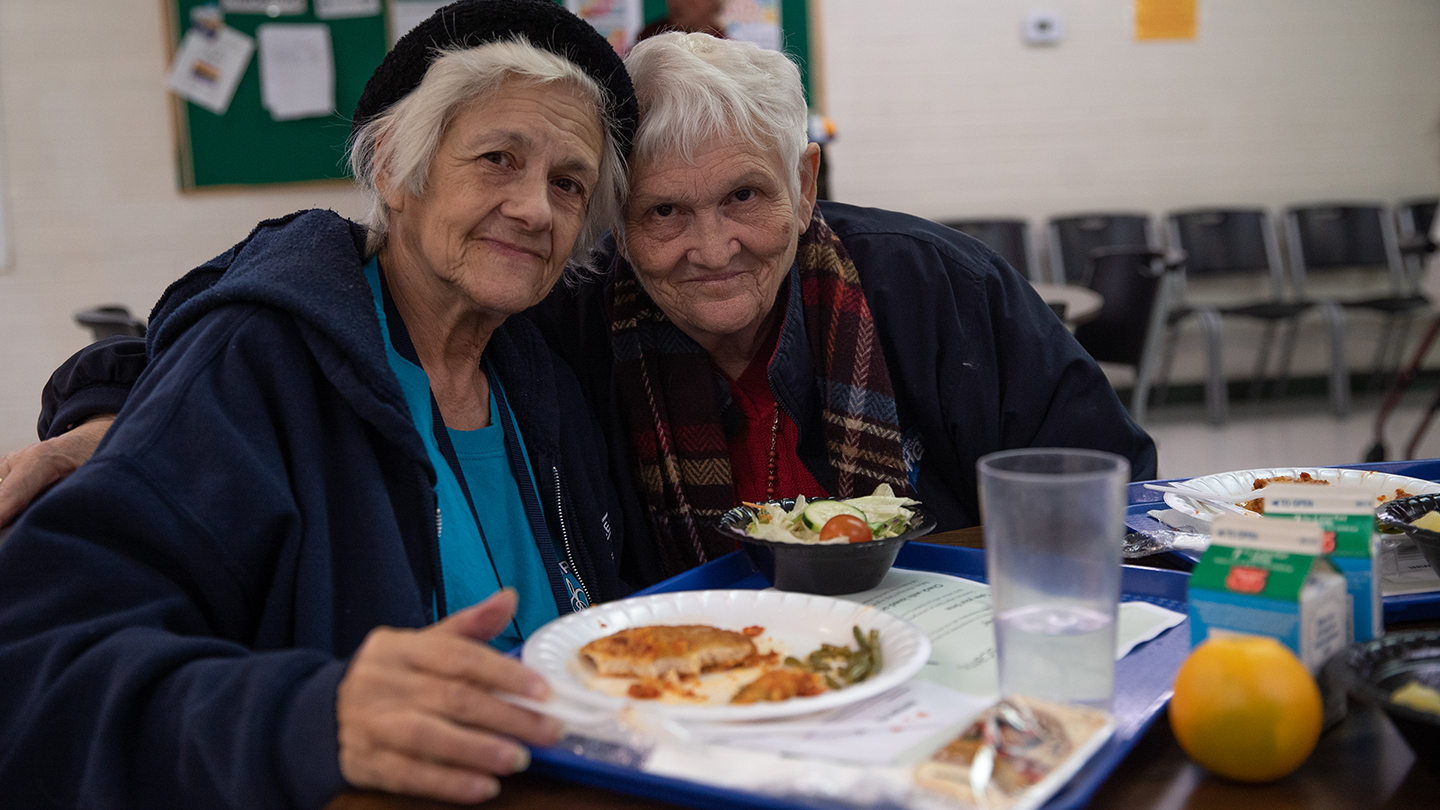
pixel 1293 432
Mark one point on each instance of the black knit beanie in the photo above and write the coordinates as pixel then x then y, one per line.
pixel 468 23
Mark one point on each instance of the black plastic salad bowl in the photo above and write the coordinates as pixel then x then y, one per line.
pixel 825 569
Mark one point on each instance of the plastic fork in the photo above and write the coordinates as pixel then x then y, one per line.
pixel 1223 500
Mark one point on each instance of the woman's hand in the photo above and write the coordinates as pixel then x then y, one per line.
pixel 416 714
pixel 29 471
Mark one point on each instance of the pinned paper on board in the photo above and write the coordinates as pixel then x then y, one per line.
pixel 209 65
pixel 270 8
pixel 346 9
pixel 756 21
pixel 616 20
pixel 297 70
pixel 406 14
pixel 1165 19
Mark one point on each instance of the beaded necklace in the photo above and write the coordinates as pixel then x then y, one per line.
pixel 774 459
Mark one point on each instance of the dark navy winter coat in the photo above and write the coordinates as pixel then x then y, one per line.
pixel 176 616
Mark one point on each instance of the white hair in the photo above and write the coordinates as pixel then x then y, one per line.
pixel 401 142
pixel 693 88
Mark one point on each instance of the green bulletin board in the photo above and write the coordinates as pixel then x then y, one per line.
pixel 245 146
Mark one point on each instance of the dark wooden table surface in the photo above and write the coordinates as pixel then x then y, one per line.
pixel 1360 763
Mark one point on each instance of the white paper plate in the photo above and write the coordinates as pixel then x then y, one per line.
pixel 795 623
pixel 1381 484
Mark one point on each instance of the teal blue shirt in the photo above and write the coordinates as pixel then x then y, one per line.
pixel 475 562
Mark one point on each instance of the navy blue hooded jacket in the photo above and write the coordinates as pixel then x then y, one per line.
pixel 176 616
pixel 978 362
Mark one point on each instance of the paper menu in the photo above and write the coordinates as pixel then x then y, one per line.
pixel 209 65
pixel 883 730
pixel 955 613
pixel 297 70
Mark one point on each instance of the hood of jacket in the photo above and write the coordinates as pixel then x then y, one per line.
pixel 310 264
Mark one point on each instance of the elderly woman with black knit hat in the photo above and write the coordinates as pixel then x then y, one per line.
pixel 344 462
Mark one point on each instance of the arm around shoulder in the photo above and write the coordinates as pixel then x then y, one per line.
pixel 95 380
pixel 78 404
pixel 29 471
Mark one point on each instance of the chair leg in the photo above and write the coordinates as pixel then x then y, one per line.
pixel 1152 350
pixel 1262 361
pixel 1287 354
pixel 1339 371
pixel 1162 383
pixel 1216 397
pixel 1398 344
pixel 1382 351
pixel 1140 396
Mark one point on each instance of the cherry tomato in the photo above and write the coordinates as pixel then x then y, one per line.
pixel 849 527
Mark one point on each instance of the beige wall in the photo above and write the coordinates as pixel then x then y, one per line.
pixel 942 112
pixel 93 213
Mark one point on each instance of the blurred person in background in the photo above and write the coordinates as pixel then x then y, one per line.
pixel 687 17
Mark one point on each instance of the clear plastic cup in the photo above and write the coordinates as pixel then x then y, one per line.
pixel 1054 524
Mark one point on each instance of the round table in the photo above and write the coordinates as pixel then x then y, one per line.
pixel 1081 304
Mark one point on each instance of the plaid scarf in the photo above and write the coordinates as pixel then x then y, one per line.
pixel 672 406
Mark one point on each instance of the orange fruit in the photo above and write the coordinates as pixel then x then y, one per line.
pixel 1246 708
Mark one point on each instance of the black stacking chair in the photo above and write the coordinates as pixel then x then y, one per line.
pixel 1415 219
pixel 1417 216
pixel 1008 237
pixel 109 321
pixel 1233 269
pixel 1350 253
pixel 1130 326
pixel 1073 239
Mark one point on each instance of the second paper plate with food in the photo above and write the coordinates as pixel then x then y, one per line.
pixel 685 654
pixel 1243 482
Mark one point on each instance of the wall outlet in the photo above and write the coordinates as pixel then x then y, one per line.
pixel 1042 28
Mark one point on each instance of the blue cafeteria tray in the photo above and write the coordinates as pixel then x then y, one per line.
pixel 1142 685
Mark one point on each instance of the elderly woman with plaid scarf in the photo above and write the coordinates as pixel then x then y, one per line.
pixel 748 342
pixel 757 344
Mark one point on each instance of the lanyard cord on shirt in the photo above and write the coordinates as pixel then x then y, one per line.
pixel 442 439
pixel 400 339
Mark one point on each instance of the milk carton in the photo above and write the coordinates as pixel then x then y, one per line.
pixel 1267 577
pixel 1347 514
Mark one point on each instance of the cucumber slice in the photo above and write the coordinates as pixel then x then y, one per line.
pixel 818 513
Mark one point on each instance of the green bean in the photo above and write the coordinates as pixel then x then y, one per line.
pixel 842 666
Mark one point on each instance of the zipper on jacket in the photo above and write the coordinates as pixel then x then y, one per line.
pixel 565 534
pixel 437 594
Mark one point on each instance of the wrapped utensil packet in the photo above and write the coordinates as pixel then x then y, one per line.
pixel 1014 755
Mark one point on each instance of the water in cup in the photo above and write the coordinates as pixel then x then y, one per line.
pixel 1054 524
pixel 1057 652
